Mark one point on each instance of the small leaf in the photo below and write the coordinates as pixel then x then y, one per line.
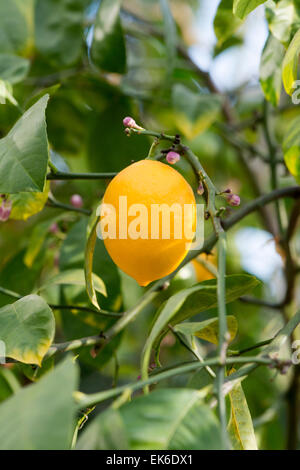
pixel 290 64
pixel 6 93
pixel 170 33
pixel 88 262
pixel 108 47
pixel 270 69
pixel 291 148
pixel 240 427
pixel 75 277
pixel 27 328
pixel 225 23
pixel 194 112
pixel 24 152
pixel 242 8
pixel 165 419
pixel 13 68
pixel 208 329
pixel 189 302
pixel 25 205
pixel 41 416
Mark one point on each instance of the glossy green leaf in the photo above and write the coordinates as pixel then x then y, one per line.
pixel 24 152
pixel 270 69
pixel 290 65
pixel 25 205
pixel 59 29
pixel 108 47
pixel 89 256
pixel 208 329
pixel 189 302
pixel 194 112
pixel 75 277
pixel 291 148
pixel 41 416
pixel 240 427
pixel 165 419
pixel 225 23
pixel 283 19
pixel 13 68
pixel 242 8
pixel 13 27
pixel 27 328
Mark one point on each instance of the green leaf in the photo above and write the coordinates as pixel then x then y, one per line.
pixel 240 427
pixel 27 328
pixel 13 68
pixel 75 277
pixel 13 27
pixel 195 112
pixel 270 69
pixel 189 302
pixel 59 29
pixel 291 148
pixel 88 260
pixel 208 329
pixel 170 34
pixel 225 23
pixel 242 8
pixel 24 152
pixel 165 419
pixel 41 416
pixel 25 205
pixel 283 19
pixel 290 64
pixel 108 47
pixel 6 93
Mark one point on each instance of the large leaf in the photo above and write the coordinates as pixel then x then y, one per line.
pixel 13 27
pixel 108 47
pixel 25 205
pixel 59 29
pixel 13 68
pixel 165 419
pixel 283 19
pixel 41 416
pixel 291 148
pixel 240 426
pixel 24 152
pixel 242 8
pixel 27 328
pixel 189 302
pixel 194 112
pixel 270 69
pixel 225 23
pixel 75 277
pixel 208 329
pixel 290 65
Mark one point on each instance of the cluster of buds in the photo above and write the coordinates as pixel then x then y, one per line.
pixel 232 199
pixel 130 123
pixel 76 201
pixel 5 208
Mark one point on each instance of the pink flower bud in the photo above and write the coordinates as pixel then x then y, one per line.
pixel 5 210
pixel 233 200
pixel 53 228
pixel 76 201
pixel 130 123
pixel 200 189
pixel 172 157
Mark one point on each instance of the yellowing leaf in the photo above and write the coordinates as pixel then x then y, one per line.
pixel 290 65
pixel 291 148
pixel 24 205
pixel 208 329
pixel 240 427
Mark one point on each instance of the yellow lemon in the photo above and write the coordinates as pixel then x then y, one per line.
pixel 203 274
pixel 148 220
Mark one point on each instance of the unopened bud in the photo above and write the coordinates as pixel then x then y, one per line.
pixel 5 210
pixel 53 228
pixel 172 157
pixel 233 200
pixel 76 201
pixel 200 189
pixel 131 124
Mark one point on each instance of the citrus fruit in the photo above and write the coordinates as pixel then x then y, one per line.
pixel 203 274
pixel 154 212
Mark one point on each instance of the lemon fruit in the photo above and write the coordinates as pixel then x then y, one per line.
pixel 143 196
pixel 203 274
